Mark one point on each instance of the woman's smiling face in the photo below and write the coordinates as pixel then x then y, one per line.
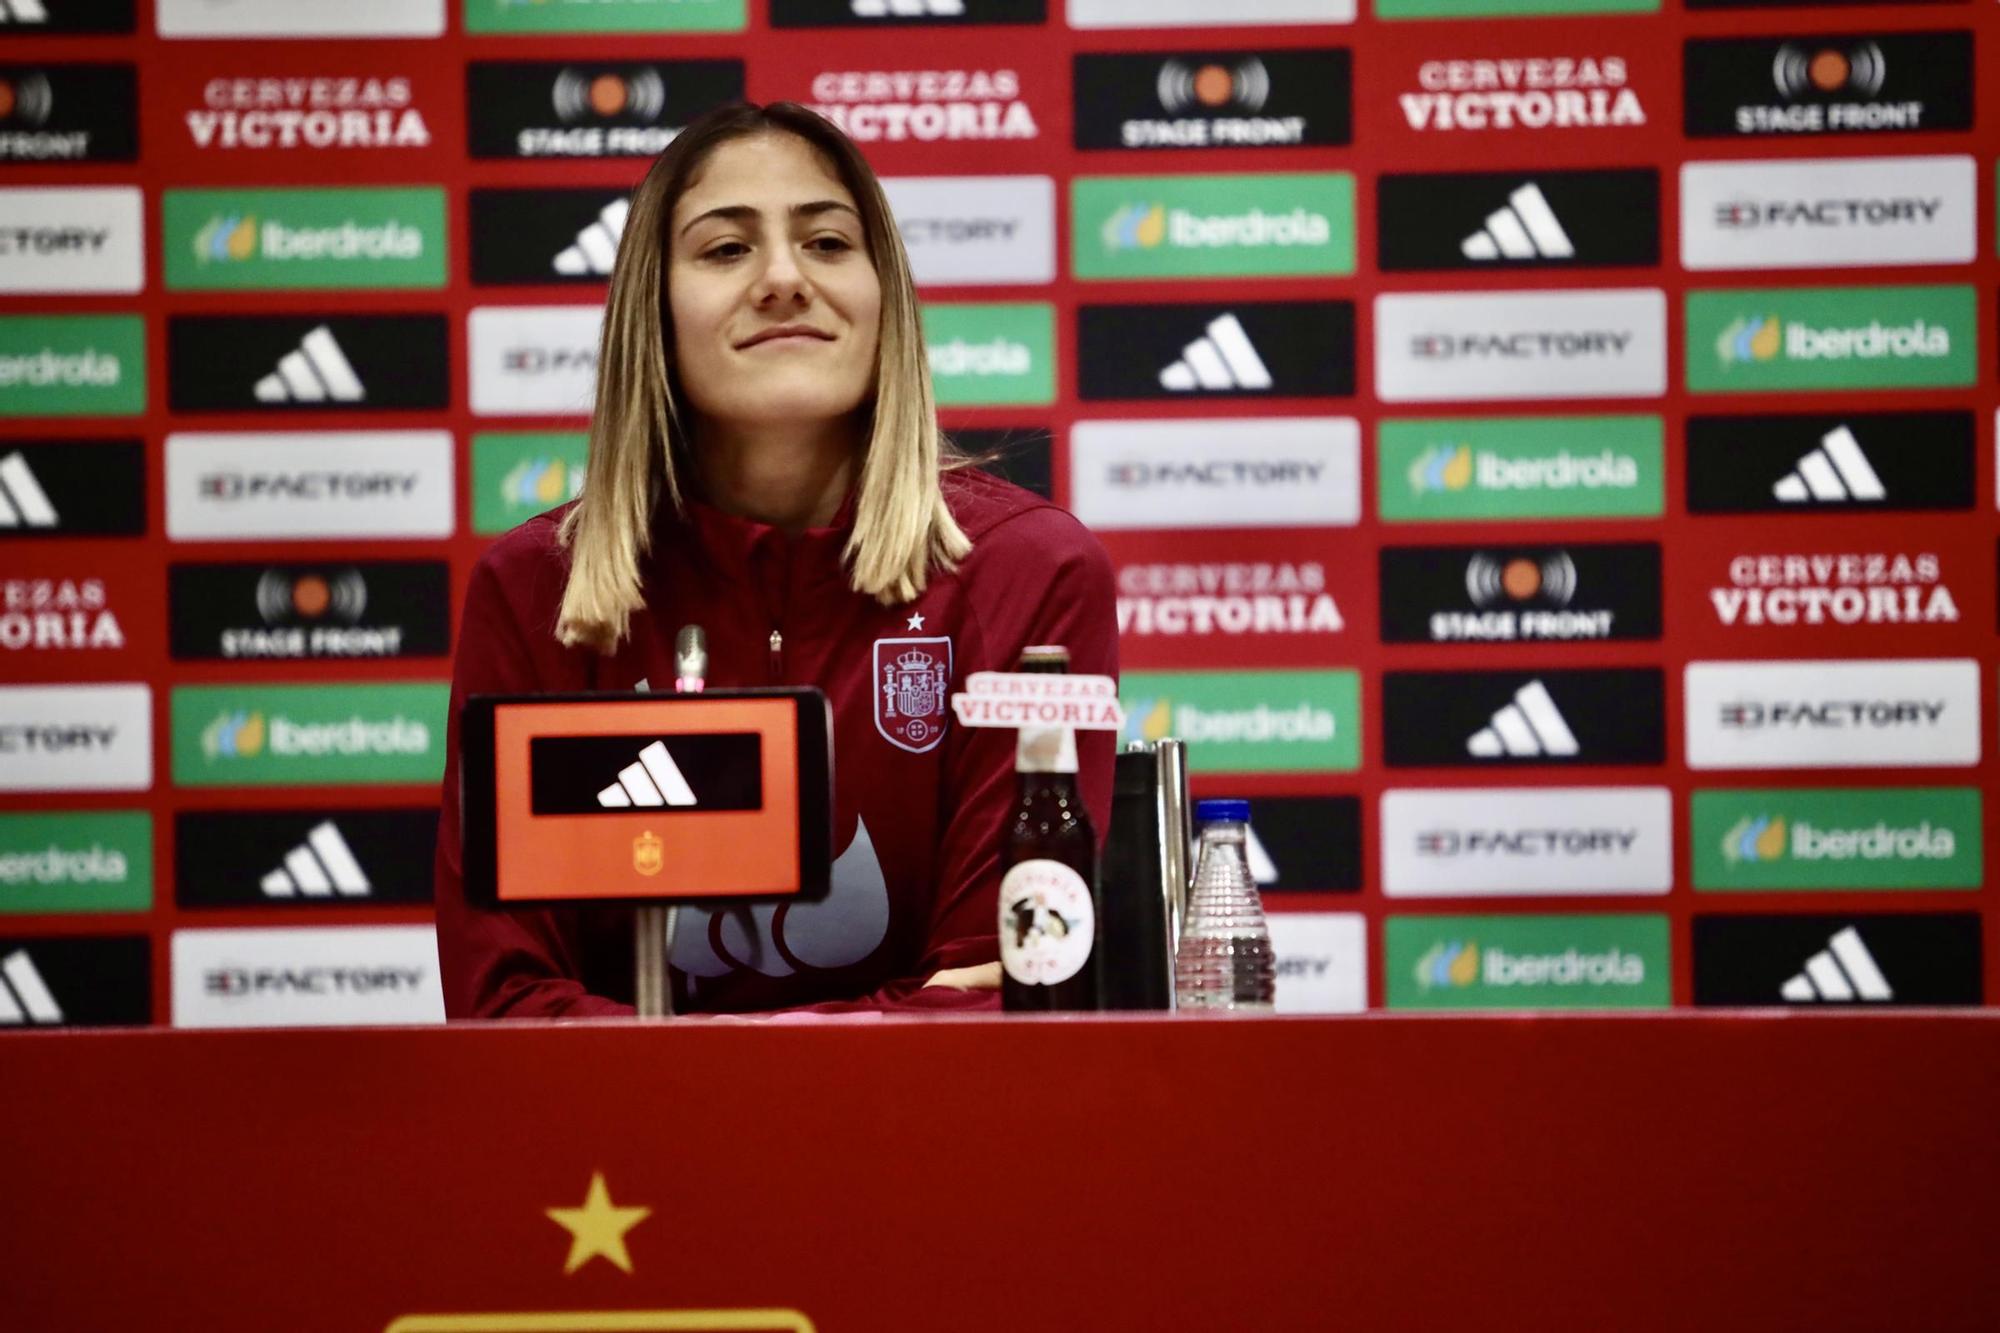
pixel 775 302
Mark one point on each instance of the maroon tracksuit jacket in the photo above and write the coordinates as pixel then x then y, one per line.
pixel 918 800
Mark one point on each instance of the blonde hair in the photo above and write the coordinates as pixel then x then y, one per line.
pixel 639 442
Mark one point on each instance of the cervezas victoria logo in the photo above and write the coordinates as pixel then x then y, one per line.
pixel 588 108
pixel 1836 83
pixel 1214 99
pixel 1834 589
pixel 245 110
pixel 1543 92
pixel 39 614
pixel 925 105
pixel 1176 600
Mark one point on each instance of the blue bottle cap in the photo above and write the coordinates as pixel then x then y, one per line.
pixel 1222 812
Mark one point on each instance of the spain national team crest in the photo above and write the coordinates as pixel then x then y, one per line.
pixel 912 677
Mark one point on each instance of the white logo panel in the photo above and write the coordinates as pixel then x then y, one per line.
pixel 306 977
pixel 301 485
pixel 301 18
pixel 976 230
pixel 1459 346
pixel 1529 841
pixel 1205 13
pixel 72 240
pixel 1322 961
pixel 1263 472
pixel 76 737
pixel 1828 212
pixel 1890 713
pixel 534 360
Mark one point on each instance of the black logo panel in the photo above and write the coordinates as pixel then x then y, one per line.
pixel 538 236
pixel 1268 349
pixel 1215 99
pixel 72 488
pixel 903 13
pixel 359 609
pixel 1308 844
pixel 285 858
pixel 1520 594
pixel 1500 718
pixel 590 108
pixel 1020 454
pixel 609 775
pixel 306 363
pixel 1834 83
pixel 68 113
pixel 1855 960
pixel 76 981
pixel 1849 463
pixel 33 18
pixel 1496 220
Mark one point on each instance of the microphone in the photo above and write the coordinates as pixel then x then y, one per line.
pixel 690 660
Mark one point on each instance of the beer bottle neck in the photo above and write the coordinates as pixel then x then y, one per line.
pixel 1045 750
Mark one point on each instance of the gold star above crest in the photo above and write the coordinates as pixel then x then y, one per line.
pixel 598 1227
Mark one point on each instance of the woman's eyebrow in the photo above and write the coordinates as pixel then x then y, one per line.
pixel 745 212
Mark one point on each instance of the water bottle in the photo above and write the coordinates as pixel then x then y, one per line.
pixel 1224 960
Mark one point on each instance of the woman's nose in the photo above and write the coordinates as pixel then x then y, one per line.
pixel 781 279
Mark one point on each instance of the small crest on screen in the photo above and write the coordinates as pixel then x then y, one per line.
pixel 912 677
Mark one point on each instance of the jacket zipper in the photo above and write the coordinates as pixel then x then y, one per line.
pixel 777 658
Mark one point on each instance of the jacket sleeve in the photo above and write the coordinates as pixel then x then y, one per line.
pixel 520 962
pixel 1047 582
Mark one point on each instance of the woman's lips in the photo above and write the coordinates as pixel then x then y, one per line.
pixel 784 335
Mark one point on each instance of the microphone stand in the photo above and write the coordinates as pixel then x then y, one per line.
pixel 653 925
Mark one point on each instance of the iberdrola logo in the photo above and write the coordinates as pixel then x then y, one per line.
pixel 1448 963
pixel 226 239
pixel 541 482
pixel 1148 720
pixel 1442 468
pixel 1136 227
pixel 1754 838
pixel 1748 339
pixel 233 735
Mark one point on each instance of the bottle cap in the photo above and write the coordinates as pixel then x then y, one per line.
pixel 1222 812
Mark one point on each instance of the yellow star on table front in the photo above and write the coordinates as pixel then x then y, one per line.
pixel 598 1227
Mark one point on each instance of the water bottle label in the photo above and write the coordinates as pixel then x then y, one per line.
pixel 1047 923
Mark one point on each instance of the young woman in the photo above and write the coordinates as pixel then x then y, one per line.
pixel 765 461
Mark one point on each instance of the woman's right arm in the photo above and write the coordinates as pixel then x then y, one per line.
pixel 520 963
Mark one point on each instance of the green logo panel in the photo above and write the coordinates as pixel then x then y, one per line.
pixel 1456 9
pixel 1765 338
pixel 267 735
pixel 94 861
pixel 261 239
pixel 1212 226
pixel 1250 721
pixel 1458 468
pixel 517 475
pixel 504 16
pixel 72 365
pixel 1851 838
pixel 1527 962
pixel 1000 355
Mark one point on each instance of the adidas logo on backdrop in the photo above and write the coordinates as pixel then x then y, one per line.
pixel 1526 229
pixel 24 996
pixel 1842 972
pixel 317 372
pixel 1530 725
pixel 23 11
pixel 1224 359
pixel 596 246
pixel 321 865
pixel 1836 472
pixel 23 502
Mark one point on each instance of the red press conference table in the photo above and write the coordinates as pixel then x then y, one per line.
pixel 1677 1171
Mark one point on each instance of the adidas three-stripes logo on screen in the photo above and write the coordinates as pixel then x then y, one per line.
pixel 24 996
pixel 1842 971
pixel 318 867
pixel 1224 359
pixel 1530 725
pixel 316 373
pixel 596 246
pixel 1834 473
pixel 23 502
pixel 653 780
pixel 1526 229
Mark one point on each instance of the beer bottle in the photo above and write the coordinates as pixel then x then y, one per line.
pixel 1048 862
